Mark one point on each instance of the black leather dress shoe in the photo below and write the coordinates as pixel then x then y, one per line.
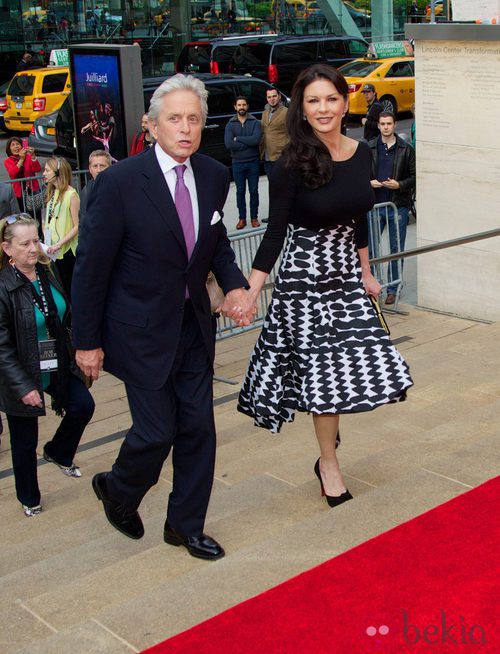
pixel 126 521
pixel 202 547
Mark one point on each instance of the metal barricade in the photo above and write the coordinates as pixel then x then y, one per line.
pixel 379 244
pixel 245 245
pixel 27 198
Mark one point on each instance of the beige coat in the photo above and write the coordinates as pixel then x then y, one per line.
pixel 274 134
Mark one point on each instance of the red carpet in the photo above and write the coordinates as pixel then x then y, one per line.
pixel 429 585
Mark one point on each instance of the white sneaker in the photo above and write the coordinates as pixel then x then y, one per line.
pixel 30 511
pixel 71 471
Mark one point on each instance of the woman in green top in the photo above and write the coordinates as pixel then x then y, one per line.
pixel 36 357
pixel 61 219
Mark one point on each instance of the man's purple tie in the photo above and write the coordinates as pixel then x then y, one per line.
pixel 184 209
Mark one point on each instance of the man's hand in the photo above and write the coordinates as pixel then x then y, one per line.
pixel 375 183
pixel 391 183
pixel 239 306
pixel 363 121
pixel 90 362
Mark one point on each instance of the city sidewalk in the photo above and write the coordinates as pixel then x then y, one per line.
pixel 71 583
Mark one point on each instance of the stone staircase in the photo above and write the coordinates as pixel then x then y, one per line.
pixel 71 583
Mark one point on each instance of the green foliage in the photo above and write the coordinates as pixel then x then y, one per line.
pixel 259 9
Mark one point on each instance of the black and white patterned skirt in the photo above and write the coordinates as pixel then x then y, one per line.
pixel 321 348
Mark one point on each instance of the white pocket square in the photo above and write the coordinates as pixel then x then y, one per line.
pixel 215 218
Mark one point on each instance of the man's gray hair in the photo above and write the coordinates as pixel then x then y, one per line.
pixel 176 83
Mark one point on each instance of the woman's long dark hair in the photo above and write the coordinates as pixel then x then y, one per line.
pixel 305 152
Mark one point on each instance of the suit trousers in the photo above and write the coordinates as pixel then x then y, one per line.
pixel 24 439
pixel 179 416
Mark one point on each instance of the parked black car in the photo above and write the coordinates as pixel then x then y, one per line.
pixel 280 60
pixel 222 93
pixel 215 56
pixel 43 134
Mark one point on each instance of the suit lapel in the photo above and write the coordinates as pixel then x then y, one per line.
pixel 156 188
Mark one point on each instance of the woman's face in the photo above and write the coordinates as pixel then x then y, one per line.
pixel 323 107
pixel 49 175
pixel 15 148
pixel 23 248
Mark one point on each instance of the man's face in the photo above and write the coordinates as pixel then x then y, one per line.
pixel 273 98
pixel 241 107
pixel 97 165
pixel 369 95
pixel 144 123
pixel 386 126
pixel 179 125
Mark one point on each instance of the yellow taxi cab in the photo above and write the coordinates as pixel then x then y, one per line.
pixel 438 10
pixel 33 93
pixel 392 76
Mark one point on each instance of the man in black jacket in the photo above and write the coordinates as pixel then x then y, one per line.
pixel 393 178
pixel 370 121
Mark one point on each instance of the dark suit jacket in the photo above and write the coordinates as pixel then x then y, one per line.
pixel 131 270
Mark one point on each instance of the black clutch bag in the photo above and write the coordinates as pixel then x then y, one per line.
pixel 380 315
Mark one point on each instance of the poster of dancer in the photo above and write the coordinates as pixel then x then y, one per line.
pixel 98 105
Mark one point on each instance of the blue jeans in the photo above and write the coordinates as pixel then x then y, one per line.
pixel 393 272
pixel 24 439
pixel 242 173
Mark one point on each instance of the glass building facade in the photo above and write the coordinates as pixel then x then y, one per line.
pixel 41 25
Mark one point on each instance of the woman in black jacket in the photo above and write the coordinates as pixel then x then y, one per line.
pixel 36 357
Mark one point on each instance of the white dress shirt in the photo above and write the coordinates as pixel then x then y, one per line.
pixel 167 165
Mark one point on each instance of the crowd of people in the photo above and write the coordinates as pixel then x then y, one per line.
pixel 127 270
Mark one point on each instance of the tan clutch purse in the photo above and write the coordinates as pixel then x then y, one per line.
pixel 380 315
pixel 215 293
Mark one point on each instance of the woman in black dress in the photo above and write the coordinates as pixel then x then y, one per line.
pixel 321 349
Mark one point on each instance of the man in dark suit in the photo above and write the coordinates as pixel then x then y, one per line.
pixel 153 232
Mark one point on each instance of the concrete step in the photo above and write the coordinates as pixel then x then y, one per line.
pixel 69 582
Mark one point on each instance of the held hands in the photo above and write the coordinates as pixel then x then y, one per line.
pixel 90 362
pixel 240 307
pixel 32 399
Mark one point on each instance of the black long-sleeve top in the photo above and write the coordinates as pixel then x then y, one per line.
pixel 344 200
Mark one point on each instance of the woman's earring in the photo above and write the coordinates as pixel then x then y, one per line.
pixel 304 117
pixel 11 261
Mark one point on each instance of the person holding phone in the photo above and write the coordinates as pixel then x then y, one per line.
pixel 393 180
pixel 22 162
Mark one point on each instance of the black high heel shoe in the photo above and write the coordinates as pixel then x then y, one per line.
pixel 333 500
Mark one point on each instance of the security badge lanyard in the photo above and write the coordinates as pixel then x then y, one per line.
pixel 46 348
